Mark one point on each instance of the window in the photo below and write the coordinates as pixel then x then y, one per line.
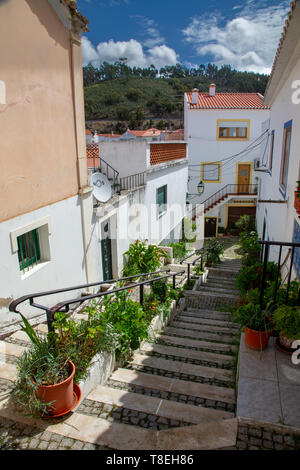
pixel 271 150
pixel 211 172
pixel 161 199
pixel 285 156
pixel 28 249
pixel 233 129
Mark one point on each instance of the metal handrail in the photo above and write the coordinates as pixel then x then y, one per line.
pixel 64 306
pixel 132 181
pixel 233 189
pixel 266 245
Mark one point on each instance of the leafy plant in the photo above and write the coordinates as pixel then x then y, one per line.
pixel 253 317
pixel 246 223
pixel 160 289
pixel 215 249
pixel 298 189
pixel 287 321
pixel 179 250
pixel 142 258
pixel 250 276
pixel 41 364
pixel 249 247
pixel 127 319
pixel 198 270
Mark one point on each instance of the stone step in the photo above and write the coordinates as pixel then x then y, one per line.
pixel 11 349
pixel 118 436
pixel 180 367
pixel 210 328
pixel 206 321
pixel 186 353
pixel 193 343
pixel 210 314
pixel 217 289
pixel 167 384
pixel 157 406
pixel 202 333
pixel 177 335
pixel 221 280
pixel 8 371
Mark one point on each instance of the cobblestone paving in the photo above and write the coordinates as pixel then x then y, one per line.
pixel 126 416
pixel 261 437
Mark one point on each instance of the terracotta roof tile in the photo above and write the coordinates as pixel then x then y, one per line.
pixel 227 101
pixel 146 133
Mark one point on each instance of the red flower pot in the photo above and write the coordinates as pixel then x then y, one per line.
pixel 297 203
pixel 60 394
pixel 257 340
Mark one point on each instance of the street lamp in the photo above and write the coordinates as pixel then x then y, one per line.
pixel 200 189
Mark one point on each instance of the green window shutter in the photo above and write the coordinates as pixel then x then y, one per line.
pixel 28 249
pixel 161 199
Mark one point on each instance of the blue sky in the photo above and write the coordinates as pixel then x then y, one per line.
pixel 242 33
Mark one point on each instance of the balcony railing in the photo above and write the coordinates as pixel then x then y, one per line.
pixel 230 190
pixel 133 181
pixel 266 245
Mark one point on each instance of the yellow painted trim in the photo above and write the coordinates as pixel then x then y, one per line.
pixel 237 171
pixel 212 217
pixel 211 163
pixel 226 139
pixel 236 205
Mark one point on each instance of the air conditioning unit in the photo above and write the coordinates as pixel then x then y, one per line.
pixel 256 164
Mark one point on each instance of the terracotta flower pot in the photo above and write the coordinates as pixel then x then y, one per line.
pixel 297 203
pixel 257 340
pixel 60 394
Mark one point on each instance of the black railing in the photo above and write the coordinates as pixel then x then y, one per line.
pixel 111 174
pixel 64 306
pixel 230 190
pixel 133 181
pixel 194 262
pixel 265 258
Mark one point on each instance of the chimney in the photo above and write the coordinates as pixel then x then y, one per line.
pixel 195 96
pixel 212 89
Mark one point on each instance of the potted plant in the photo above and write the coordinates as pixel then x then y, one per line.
pixel 257 325
pixel 287 323
pixel 215 249
pixel 45 377
pixel 297 198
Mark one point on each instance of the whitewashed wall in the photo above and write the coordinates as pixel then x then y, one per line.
pixel 66 266
pixel 201 135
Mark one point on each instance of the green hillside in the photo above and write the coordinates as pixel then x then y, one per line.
pixel 117 92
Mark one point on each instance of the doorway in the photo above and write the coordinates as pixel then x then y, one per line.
pixel 211 225
pixel 243 177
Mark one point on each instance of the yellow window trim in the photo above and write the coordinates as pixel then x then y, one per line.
pixel 235 205
pixel 220 172
pixel 237 171
pixel 228 139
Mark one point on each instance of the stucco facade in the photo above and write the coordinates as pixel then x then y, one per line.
pixel 44 192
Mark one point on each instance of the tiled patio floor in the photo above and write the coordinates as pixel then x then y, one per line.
pixel 268 386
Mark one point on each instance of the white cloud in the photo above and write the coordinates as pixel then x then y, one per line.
pixel 247 42
pixel 133 50
pixel 150 31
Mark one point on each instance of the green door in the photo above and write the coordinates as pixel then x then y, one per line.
pixel 106 259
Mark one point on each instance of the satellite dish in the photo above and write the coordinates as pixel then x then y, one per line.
pixel 102 187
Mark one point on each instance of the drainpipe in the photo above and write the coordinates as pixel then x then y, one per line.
pixel 85 191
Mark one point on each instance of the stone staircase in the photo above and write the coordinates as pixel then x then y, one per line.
pixel 176 393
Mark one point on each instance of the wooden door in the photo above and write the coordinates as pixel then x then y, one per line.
pixel 210 227
pixel 244 170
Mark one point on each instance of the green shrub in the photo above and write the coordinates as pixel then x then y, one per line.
pixel 143 258
pixel 250 276
pixel 287 321
pixel 253 317
pixel 246 223
pixel 215 249
pixel 179 250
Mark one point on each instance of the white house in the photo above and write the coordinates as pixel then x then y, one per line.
pixel 223 131
pixel 149 202
pixel 277 218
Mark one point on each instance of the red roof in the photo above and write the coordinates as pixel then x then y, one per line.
pixel 88 132
pixel 146 133
pixel 228 101
pixel 109 135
